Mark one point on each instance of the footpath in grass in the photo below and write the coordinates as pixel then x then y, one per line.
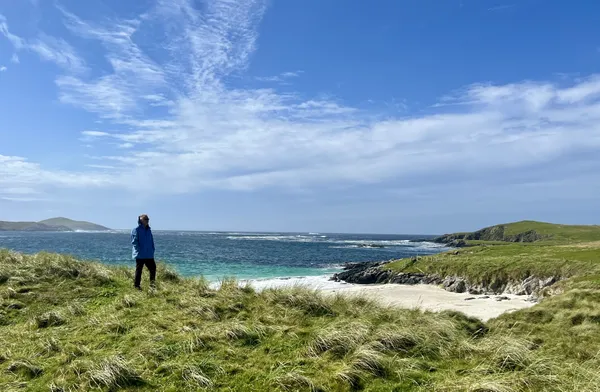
pixel 67 325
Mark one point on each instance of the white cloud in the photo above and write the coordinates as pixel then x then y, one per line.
pixel 3 68
pixel 57 51
pixel 15 59
pixel 502 7
pixel 20 173
pixel 108 167
pixel 281 78
pixel 134 74
pixel 16 41
pixel 193 130
pixel 95 133
pixel 48 48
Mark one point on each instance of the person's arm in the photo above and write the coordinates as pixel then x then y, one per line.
pixel 135 241
pixel 152 236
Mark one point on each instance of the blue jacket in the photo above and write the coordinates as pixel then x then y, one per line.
pixel 143 243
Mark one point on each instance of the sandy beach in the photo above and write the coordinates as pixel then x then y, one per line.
pixel 428 297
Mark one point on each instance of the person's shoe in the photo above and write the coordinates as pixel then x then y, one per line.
pixel 138 288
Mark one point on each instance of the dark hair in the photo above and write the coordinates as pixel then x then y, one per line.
pixel 143 216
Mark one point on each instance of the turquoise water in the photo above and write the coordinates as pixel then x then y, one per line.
pixel 218 255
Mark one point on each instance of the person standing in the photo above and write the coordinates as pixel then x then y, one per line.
pixel 143 250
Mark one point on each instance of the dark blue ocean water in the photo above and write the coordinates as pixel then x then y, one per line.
pixel 217 255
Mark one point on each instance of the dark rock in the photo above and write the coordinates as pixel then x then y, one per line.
pixel 484 297
pixel 372 272
pixel 375 272
pixel 363 273
pixel 457 243
pixel 502 298
pixel 454 284
pixel 475 290
pixel 459 287
pixel 469 298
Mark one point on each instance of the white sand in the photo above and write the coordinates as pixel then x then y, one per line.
pixel 425 297
pixel 429 297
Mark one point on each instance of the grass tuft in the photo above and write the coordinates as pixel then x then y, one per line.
pixel 165 273
pixel 341 340
pixel 195 375
pixel 113 373
pixel 309 301
pixel 395 340
pixel 249 335
pixel 76 309
pixel 370 362
pixel 49 319
pixel 51 346
pixel 25 369
pixel 294 381
pixel 352 377
pixel 508 354
pixel 128 301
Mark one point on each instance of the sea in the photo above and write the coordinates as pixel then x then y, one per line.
pixel 261 258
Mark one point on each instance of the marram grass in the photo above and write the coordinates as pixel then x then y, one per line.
pixel 67 325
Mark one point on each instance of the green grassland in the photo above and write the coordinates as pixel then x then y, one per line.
pixel 565 251
pixel 67 325
pixel 507 261
pixel 556 233
pixel 548 233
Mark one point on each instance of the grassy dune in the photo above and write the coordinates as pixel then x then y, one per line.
pixel 565 326
pixel 67 325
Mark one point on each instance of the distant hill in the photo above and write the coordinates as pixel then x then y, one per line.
pixel 53 224
pixel 525 231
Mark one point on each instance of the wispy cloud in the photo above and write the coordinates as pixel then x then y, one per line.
pixel 501 7
pixel 16 41
pixel 3 68
pixel 19 176
pixel 284 77
pixel 57 51
pixel 193 129
pixel 48 48
pixel 14 59
pixel 133 75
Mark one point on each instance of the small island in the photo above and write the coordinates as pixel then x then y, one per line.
pixel 53 224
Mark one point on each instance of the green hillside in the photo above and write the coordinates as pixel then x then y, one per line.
pixel 525 232
pixel 54 224
pixel 67 325
pixel 74 225
pixel 556 232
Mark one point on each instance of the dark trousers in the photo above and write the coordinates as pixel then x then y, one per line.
pixel 139 266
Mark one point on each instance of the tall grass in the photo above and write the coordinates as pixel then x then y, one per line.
pixel 81 326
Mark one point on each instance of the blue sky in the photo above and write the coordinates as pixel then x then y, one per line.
pixel 340 116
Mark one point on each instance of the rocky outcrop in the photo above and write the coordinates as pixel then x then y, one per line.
pixel 369 273
pixel 494 233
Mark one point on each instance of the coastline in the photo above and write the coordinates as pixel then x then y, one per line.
pixel 433 298
pixel 427 297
